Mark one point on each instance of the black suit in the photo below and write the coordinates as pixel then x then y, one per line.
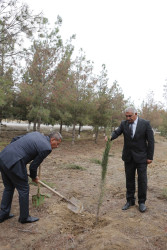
pixel 33 147
pixel 135 153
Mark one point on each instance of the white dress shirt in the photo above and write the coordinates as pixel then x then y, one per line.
pixel 134 125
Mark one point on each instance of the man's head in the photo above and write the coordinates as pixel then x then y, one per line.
pixel 131 114
pixel 55 139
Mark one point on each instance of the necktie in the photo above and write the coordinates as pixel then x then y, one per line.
pixel 131 129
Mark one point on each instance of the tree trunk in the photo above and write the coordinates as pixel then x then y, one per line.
pixel 61 126
pixel 96 133
pixel 35 126
pixel 29 125
pixel 0 123
pixel 73 134
pixel 79 131
pixel 0 115
pixel 39 124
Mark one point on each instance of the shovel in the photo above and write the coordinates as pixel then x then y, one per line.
pixel 38 199
pixel 73 204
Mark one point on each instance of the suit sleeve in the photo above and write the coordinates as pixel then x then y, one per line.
pixel 150 141
pixel 117 132
pixel 16 138
pixel 36 162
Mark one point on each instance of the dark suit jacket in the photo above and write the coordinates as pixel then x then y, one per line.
pixel 33 147
pixel 141 146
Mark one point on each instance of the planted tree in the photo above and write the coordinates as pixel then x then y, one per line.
pixel 103 176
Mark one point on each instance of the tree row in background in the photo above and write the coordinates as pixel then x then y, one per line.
pixel 46 82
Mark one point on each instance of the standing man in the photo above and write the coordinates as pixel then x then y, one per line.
pixel 137 153
pixel 33 147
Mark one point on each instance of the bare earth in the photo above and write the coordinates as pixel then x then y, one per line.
pixel 60 229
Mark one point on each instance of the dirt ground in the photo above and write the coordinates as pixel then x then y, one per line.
pixel 74 172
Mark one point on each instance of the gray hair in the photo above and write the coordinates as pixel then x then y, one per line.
pixel 131 109
pixel 56 135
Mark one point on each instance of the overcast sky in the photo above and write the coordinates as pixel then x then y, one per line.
pixel 128 36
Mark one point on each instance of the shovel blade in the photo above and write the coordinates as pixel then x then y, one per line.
pixel 75 205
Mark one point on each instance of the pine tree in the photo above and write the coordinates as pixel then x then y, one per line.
pixel 103 175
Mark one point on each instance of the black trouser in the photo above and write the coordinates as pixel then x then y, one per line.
pixel 15 177
pixel 130 172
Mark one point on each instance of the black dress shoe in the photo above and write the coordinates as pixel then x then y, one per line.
pixel 128 205
pixel 6 217
pixel 142 207
pixel 29 219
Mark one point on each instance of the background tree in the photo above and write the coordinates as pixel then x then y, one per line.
pixel 117 104
pixel 6 94
pixel 16 21
pixel 79 91
pixel 42 61
pixel 152 111
pixel 61 89
pixel 101 112
pixel 163 125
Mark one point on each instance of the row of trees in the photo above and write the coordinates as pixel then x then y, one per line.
pixel 46 83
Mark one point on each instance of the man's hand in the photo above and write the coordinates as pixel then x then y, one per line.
pixel 36 180
pixel 149 161
pixel 106 138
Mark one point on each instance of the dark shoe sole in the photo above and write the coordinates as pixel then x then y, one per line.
pixel 126 208
pixel 24 222
pixel 9 217
pixel 142 210
pixel 28 221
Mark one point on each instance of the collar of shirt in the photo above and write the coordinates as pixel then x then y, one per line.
pixel 134 124
pixel 48 138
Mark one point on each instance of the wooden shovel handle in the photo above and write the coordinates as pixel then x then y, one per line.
pixel 51 189
pixel 39 175
pixel 57 193
pixel 39 172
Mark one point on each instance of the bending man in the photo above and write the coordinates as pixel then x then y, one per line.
pixel 33 147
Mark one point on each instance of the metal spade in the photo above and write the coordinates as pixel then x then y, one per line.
pixel 73 204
